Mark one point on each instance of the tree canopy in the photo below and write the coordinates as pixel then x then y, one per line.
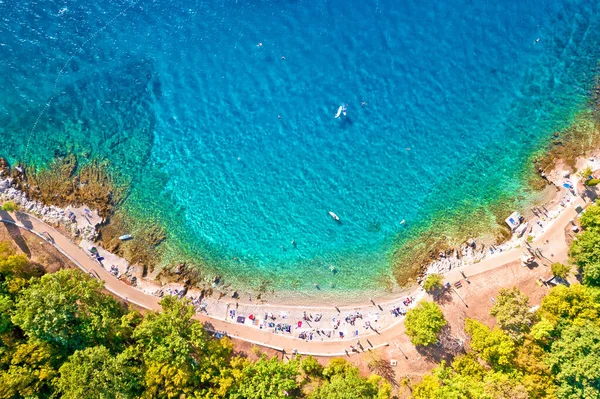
pixel 95 373
pixel 511 310
pixel 433 282
pixel 424 322
pixel 575 361
pixel 494 346
pixel 585 253
pixel 585 249
pixel 343 381
pixel 69 310
pixel 560 270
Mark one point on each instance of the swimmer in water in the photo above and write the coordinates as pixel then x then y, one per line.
pixel 282 58
pixel 362 104
pixel 259 45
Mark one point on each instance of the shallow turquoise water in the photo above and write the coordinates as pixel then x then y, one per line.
pixel 183 101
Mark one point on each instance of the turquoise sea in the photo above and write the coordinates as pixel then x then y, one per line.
pixel 183 98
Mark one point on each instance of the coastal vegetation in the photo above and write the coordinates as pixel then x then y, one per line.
pixel 551 352
pixel 9 206
pixel 62 336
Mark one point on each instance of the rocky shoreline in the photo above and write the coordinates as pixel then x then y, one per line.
pixel 50 214
pixel 538 220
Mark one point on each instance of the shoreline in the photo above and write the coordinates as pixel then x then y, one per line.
pixel 374 321
pixel 84 227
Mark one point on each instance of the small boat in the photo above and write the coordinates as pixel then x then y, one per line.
pixel 334 216
pixel 344 107
pixel 126 237
pixel 339 111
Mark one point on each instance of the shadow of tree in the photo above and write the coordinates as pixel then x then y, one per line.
pixel 442 297
pixel 24 219
pixel 383 368
pixel 17 237
pixel 446 349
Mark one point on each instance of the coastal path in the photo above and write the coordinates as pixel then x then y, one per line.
pixel 551 242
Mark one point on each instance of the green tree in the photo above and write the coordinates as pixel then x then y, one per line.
pixel 6 307
pixel 511 310
pixel 570 305
pixel 493 346
pixel 559 270
pixel 423 323
pixel 590 219
pixel 29 368
pixel 337 366
pixel 13 265
pixel 343 381
pixel 311 367
pixel 499 385
pixel 68 309
pixel 585 253
pixel 96 373
pixel 180 358
pixel 574 360
pixel 433 282
pixel 586 173
pixel 266 379
pixel 463 380
pixel 536 376
pixel 9 206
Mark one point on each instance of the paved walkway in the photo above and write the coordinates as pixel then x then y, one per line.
pixel 551 242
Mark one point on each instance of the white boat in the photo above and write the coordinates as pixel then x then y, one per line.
pixel 125 237
pixel 339 111
pixel 334 216
pixel 344 109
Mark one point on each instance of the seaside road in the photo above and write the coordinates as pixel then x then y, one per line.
pixel 552 242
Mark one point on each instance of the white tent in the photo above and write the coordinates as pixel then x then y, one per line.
pixel 513 221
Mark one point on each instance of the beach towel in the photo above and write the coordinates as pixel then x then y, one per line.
pixel 241 319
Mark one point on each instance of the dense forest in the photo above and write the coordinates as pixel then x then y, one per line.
pixel 61 336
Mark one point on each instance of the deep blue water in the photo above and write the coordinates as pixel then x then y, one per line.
pixel 185 103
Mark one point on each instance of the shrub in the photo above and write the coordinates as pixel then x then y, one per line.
pixel 586 173
pixel 592 182
pixel 9 206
